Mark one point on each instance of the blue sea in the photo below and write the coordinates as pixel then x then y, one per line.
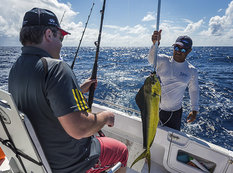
pixel 122 71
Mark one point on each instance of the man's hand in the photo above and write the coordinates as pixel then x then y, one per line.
pixel 156 36
pixel 110 117
pixel 192 116
pixel 86 85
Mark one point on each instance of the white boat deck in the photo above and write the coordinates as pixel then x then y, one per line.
pixel 135 149
pixel 4 168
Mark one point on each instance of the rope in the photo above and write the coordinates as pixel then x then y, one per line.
pixel 163 124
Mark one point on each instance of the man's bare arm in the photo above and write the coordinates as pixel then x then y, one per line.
pixel 82 124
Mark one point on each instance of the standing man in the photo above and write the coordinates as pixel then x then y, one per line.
pixel 46 90
pixel 176 74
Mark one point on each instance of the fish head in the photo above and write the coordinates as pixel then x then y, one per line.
pixel 152 85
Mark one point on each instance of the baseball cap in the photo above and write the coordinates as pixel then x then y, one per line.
pixel 184 41
pixel 42 17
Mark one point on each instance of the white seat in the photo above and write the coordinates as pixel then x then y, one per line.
pixel 23 136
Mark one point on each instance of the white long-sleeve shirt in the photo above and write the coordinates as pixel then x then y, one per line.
pixel 175 78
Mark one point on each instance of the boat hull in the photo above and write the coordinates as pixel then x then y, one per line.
pixel 167 147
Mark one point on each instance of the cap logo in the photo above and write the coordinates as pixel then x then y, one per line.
pixel 185 41
pixel 52 22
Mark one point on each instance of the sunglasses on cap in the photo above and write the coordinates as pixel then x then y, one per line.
pixel 182 50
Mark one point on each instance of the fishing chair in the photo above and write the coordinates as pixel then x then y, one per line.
pixel 19 141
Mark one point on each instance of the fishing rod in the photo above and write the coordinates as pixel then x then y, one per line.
pixel 62 16
pixel 76 53
pixel 157 43
pixel 94 70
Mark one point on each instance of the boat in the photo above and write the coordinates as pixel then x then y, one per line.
pixel 172 151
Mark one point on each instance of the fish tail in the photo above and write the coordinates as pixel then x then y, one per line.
pixel 148 161
pixel 145 154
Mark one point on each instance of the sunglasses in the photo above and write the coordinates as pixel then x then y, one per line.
pixel 55 32
pixel 182 50
pixel 61 38
pixel 61 34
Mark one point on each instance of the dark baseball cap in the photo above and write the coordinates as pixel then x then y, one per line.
pixel 184 41
pixel 42 17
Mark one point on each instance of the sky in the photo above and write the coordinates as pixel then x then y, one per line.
pixel 127 23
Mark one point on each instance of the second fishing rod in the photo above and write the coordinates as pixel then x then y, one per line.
pixel 95 66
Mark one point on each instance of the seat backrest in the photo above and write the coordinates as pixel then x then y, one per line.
pixel 23 136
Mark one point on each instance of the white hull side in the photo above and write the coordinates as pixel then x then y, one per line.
pixel 167 144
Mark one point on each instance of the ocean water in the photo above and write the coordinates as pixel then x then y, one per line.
pixel 122 71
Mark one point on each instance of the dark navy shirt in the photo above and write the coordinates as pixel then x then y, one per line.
pixel 44 95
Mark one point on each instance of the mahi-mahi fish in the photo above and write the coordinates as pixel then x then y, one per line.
pixel 148 99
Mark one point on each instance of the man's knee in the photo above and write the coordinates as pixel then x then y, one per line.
pixel 124 157
pixel 122 152
pixel 114 150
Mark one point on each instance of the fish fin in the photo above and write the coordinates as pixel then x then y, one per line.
pixel 141 102
pixel 142 156
pixel 140 99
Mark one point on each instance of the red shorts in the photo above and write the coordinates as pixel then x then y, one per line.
pixel 112 151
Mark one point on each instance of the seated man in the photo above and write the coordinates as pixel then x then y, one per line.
pixel 46 90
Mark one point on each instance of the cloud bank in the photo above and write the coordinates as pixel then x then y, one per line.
pixel 149 17
pixel 220 25
pixel 203 31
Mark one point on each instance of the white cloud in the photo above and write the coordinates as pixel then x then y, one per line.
pixel 149 17
pixel 137 29
pixel 112 26
pixel 127 40
pixel 126 36
pixel 170 31
pixel 12 12
pixel 219 26
pixel 191 27
pixel 188 21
